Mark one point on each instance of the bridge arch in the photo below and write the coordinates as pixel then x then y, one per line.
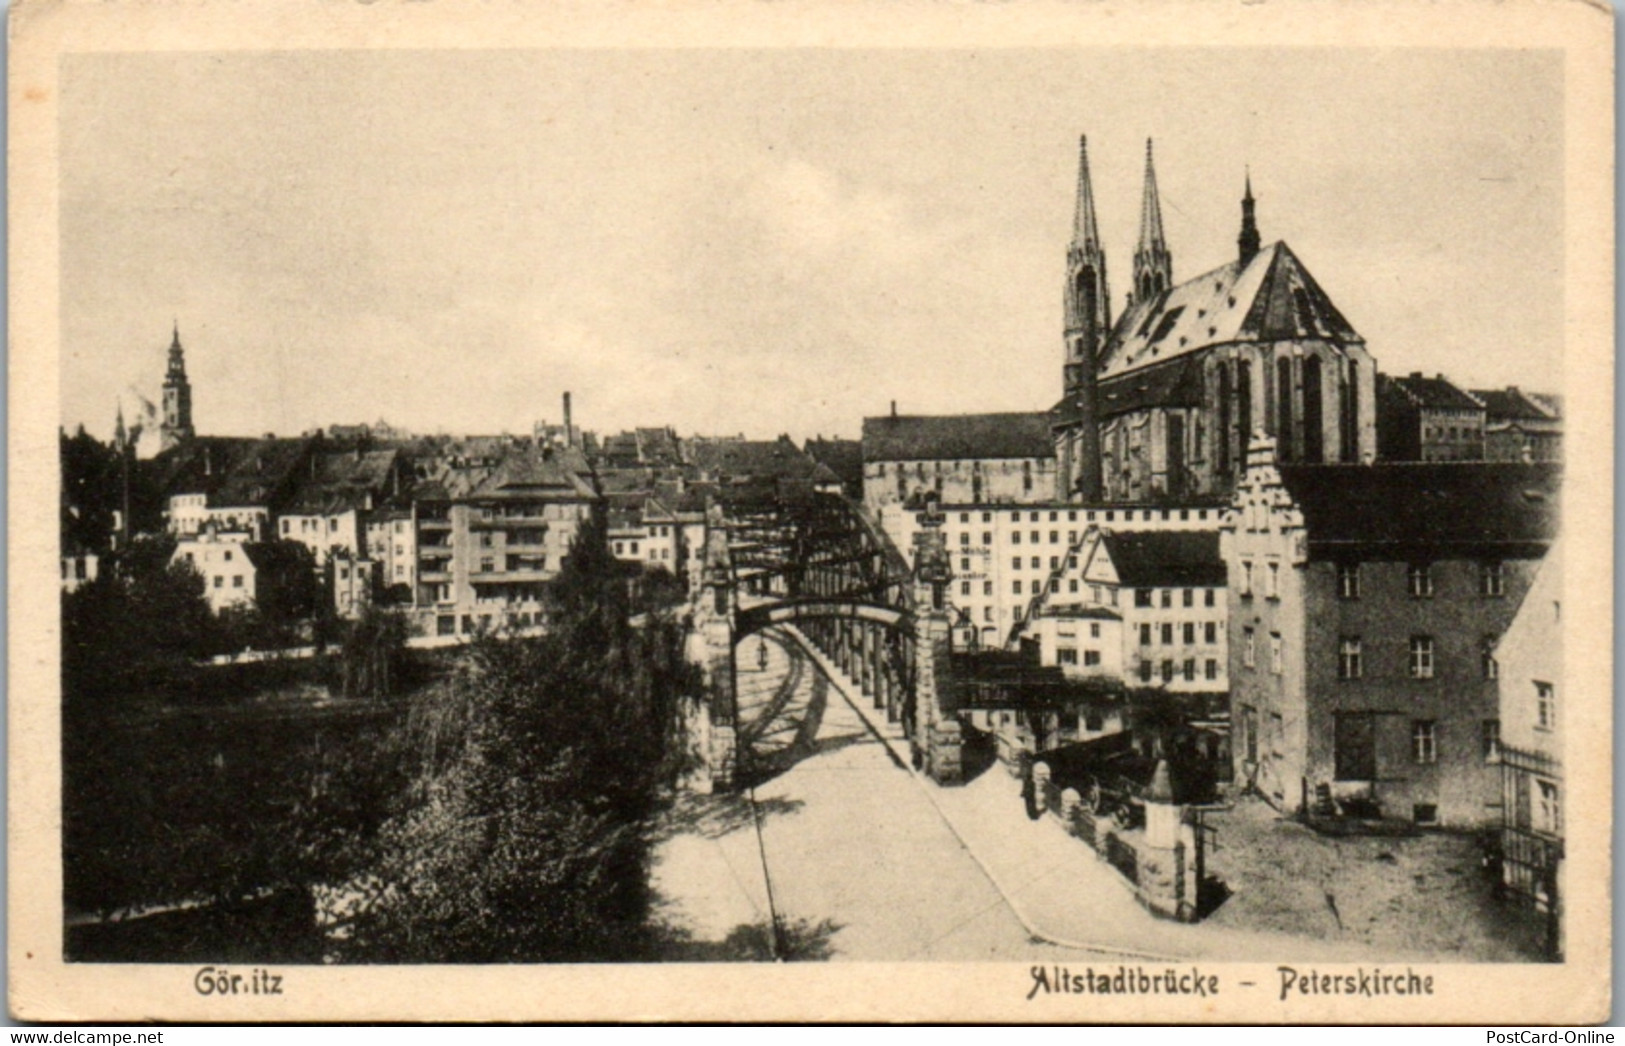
pixel 790 611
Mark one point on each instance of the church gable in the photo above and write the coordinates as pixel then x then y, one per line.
pixel 1270 298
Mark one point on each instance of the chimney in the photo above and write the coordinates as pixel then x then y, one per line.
pixel 569 433
pixel 208 469
pixel 894 408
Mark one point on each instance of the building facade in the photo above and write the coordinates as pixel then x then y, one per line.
pixel 1530 750
pixel 1428 419
pixel 1365 605
pixel 962 459
pixel 1166 396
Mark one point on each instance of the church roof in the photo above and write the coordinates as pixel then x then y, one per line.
pixel 1270 298
pixel 1176 383
pixel 950 437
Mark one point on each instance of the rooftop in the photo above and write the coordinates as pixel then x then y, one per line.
pixel 947 437
pixel 1165 558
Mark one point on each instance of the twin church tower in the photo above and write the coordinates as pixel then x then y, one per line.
pixel 1162 403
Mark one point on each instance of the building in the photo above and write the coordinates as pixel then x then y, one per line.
pixel 352 581
pixel 1025 707
pixel 490 536
pixel 229 483
pixel 1365 607
pixel 1530 746
pixel 1521 426
pixel 176 427
pixel 334 498
pixel 1004 557
pixel 1428 419
pixel 230 574
pixel 1159 404
pixel 392 544
pixel 843 458
pixel 79 569
pixel 1166 588
pixel 960 459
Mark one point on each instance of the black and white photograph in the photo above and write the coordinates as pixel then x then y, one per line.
pixel 1100 525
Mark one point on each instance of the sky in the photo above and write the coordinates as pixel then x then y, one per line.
pixel 761 241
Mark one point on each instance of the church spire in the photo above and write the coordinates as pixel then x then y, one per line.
pixel 1153 265
pixel 1088 322
pixel 1248 240
pixel 1084 231
pixel 177 423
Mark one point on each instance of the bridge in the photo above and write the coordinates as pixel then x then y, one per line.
pixel 814 562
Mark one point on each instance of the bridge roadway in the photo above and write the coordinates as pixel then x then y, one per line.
pixel 856 860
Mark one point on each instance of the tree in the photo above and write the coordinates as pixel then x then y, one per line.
pixel 371 653
pixel 540 768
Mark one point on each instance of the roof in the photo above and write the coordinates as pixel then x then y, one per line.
pixel 342 481
pixel 1513 404
pixel 261 472
pixel 1176 383
pixel 1433 508
pixel 759 459
pixel 843 457
pixel 1080 610
pixel 957 436
pixel 1270 298
pixel 1435 393
pixel 1003 679
pixel 1165 559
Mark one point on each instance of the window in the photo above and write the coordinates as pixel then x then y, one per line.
pixel 1545 706
pixel 1212 668
pixel 1054 562
pixel 964 588
pixel 1054 535
pixel 1190 633
pixel 1094 593
pixel 227 555
pixel 1167 671
pixel 1167 597
pixel 1275 652
pixel 1034 535
pixel 1055 584
pixel 1053 516
pixel 1492 669
pixel 1548 810
pixel 1015 613
pixel 1421 663
pixel 1210 633
pixel 1015 562
pixel 1207 600
pixel 1189 597
pixel 1091 657
pixel 1145 671
pixel 1348 657
pixel 1189 672
pixel 1167 635
pixel 964 537
pixel 1419 578
pixel 987 588
pixel 987 613
pixel 1354 749
pixel 1246 579
pixel 1094 630
pixel 1015 586
pixel 236 581
pixel 489 564
pixel 964 517
pixel 1072 585
pixel 1272 582
pixel 485 539
pixel 1348 581
pixel 964 564
pixel 1142 597
pixel 1249 655
pixel 1035 562
pixel 987 537
pixel 287 525
pixel 1491 579
pixel 1424 741
pixel 1145 635
pixel 1015 537
pixel 1066 656
pixel 219 581
pixel 1490 738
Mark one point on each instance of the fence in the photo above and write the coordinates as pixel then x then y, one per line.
pixel 1164 879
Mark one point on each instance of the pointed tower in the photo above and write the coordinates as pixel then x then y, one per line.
pixel 177 423
pixel 1153 265
pixel 1248 241
pixel 1088 321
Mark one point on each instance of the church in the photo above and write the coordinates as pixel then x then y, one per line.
pixel 1159 405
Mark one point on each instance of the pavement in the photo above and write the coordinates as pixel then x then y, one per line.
pixel 862 858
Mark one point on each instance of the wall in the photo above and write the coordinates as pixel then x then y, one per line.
pixel 992 481
pixel 1462 783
